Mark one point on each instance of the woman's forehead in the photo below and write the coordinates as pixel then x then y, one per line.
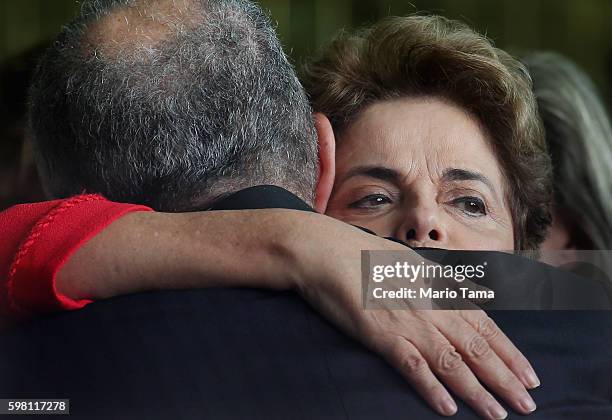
pixel 418 134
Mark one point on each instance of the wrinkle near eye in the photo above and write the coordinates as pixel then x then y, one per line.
pixel 421 140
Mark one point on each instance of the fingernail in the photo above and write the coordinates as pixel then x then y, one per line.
pixel 448 407
pixel 498 413
pixel 531 379
pixel 528 404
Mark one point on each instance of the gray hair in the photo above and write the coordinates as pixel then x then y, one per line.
pixel 579 137
pixel 170 104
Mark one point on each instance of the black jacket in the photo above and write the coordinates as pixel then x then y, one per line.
pixel 253 354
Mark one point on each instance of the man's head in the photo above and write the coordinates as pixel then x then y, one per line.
pixel 170 103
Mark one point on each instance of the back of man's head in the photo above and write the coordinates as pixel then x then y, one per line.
pixel 170 103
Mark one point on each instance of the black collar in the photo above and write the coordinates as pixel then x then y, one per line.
pixel 261 197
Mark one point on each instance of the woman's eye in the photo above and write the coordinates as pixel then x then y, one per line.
pixel 371 201
pixel 473 206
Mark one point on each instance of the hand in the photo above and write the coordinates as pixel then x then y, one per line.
pixel 459 348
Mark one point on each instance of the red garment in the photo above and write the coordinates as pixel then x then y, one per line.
pixel 37 239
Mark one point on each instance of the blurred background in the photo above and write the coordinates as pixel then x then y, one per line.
pixel 579 29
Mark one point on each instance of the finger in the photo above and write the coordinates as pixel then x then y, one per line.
pixel 484 362
pixel 503 347
pixel 449 367
pixel 405 357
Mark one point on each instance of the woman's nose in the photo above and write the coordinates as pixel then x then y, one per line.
pixel 421 227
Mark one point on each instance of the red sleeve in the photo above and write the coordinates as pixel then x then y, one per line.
pixel 37 239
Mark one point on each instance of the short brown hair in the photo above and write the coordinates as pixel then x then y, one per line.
pixel 435 56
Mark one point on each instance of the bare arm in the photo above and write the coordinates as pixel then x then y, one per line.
pixel 155 251
pixel 320 258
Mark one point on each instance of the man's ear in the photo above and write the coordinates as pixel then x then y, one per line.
pixel 326 171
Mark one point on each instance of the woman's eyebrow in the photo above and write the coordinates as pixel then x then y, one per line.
pixel 456 174
pixel 378 172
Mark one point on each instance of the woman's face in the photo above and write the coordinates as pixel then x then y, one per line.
pixel 422 170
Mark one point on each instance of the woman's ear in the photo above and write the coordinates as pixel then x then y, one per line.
pixel 326 171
